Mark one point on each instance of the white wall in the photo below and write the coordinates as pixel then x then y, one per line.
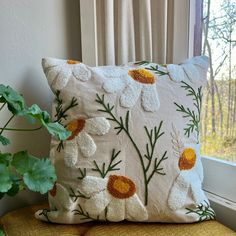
pixel 30 30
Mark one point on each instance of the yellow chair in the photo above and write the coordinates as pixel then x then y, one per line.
pixel 21 222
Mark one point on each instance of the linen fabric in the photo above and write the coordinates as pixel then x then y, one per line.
pixel 134 148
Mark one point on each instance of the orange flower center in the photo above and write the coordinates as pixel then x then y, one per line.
pixel 121 187
pixel 53 191
pixel 143 76
pixel 187 159
pixel 75 126
pixel 72 62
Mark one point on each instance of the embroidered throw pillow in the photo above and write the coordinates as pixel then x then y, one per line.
pixel 134 150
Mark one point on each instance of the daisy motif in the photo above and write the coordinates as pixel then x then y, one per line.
pixel 137 82
pixel 116 195
pixel 80 138
pixel 59 72
pixel 190 178
pixel 191 69
pixel 59 198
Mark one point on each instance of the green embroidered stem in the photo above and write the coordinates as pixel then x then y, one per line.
pixel 142 63
pixel 124 126
pixel 157 169
pixel 60 146
pixel 203 211
pixel 82 173
pixel 155 68
pixel 111 167
pixel 75 196
pixel 84 215
pixel 45 214
pixel 61 112
pixel 194 119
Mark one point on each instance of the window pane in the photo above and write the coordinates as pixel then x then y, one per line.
pixel 219 106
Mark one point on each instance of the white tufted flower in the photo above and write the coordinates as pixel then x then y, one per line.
pixel 190 68
pixel 59 198
pixel 81 139
pixel 137 82
pixel 190 177
pixel 116 194
pixel 59 72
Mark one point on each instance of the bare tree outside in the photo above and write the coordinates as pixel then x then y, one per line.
pixel 219 106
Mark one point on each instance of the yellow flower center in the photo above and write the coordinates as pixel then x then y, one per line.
pixel 187 159
pixel 143 76
pixel 75 126
pixel 72 62
pixel 121 187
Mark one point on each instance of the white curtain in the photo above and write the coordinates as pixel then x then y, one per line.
pixel 118 31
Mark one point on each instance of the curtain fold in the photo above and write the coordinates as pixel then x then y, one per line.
pixel 131 30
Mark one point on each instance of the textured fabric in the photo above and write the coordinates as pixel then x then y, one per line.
pixel 210 228
pixel 21 222
pixel 134 148
pixel 130 30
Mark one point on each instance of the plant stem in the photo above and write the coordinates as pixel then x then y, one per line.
pixel 12 129
pixel 2 106
pixel 4 127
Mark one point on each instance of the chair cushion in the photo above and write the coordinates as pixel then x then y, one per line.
pixel 22 223
pixel 206 228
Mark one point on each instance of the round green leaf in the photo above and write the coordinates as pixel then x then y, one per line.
pixel 5 180
pixel 41 177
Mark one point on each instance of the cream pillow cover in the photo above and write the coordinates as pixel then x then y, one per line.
pixel 134 150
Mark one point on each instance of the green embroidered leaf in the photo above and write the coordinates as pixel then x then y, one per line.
pixel 153 136
pixel 5 141
pixel 14 100
pixel 45 212
pixel 204 211
pixel 82 173
pixel 75 195
pixel 38 174
pixel 193 124
pixel 103 171
pixel 141 63
pixel 156 70
pixel 62 110
pixel 5 179
pixel 84 215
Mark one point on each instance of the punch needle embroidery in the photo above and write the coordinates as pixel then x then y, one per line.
pixel 115 194
pixel 81 139
pixel 138 82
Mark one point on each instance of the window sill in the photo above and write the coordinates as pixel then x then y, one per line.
pixel 219 178
pixel 225 210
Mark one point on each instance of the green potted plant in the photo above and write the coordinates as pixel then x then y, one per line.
pixel 22 170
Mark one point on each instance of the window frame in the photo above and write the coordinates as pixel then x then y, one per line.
pixel 219 175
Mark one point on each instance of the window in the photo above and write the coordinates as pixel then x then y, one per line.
pixel 219 107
